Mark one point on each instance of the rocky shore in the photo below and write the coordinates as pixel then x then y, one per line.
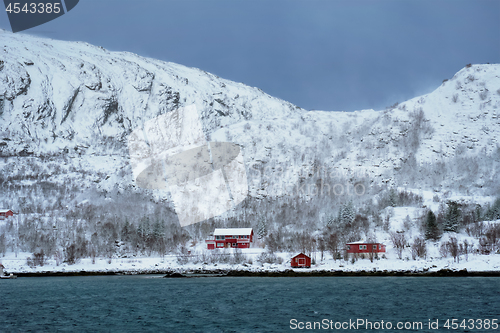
pixel 269 273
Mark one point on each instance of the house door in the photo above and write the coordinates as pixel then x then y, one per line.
pixel 302 261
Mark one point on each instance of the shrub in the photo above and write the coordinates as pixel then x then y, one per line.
pixel 269 258
pixel 238 257
pixel 70 254
pixel 183 255
pixel 29 262
pixel 39 258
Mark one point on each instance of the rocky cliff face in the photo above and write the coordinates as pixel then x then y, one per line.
pixel 59 94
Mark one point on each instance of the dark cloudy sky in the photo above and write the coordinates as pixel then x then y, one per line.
pixel 318 54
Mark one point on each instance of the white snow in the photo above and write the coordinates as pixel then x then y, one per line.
pixel 232 231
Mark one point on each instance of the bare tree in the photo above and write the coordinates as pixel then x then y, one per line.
pixel 453 248
pixel 321 246
pixel 398 241
pixel 332 245
pixel 465 248
pixel 418 248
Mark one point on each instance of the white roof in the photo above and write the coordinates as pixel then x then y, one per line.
pixel 363 242
pixel 5 210
pixel 232 231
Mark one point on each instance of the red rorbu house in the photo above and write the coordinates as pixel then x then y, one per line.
pixel 230 237
pixel 4 213
pixel 361 248
pixel 301 260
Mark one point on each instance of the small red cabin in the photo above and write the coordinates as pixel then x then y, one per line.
pixel 301 260
pixel 4 213
pixel 360 248
pixel 230 237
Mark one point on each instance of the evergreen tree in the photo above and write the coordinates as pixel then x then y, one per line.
pixel 125 233
pixel 478 216
pixel 493 212
pixel 452 217
pixel 262 229
pixel 431 227
pixel 393 198
pixel 330 221
pixel 158 229
pixel 347 214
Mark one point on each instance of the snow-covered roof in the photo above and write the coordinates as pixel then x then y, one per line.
pixel 298 254
pixel 232 231
pixel 5 210
pixel 363 242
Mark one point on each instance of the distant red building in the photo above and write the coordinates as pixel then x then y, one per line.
pixel 301 260
pixel 4 213
pixel 240 238
pixel 360 248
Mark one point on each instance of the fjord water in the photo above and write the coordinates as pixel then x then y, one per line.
pixel 237 304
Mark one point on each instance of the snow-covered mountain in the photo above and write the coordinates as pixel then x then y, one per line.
pixel 66 109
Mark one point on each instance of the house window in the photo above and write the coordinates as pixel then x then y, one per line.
pixel 380 247
pixel 220 244
pixel 348 247
pixel 234 244
pixel 361 247
pixel 374 247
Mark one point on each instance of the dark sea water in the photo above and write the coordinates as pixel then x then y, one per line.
pixel 242 304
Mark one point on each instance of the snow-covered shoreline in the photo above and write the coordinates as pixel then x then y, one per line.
pixel 473 265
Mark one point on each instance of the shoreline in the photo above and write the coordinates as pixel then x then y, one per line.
pixel 278 273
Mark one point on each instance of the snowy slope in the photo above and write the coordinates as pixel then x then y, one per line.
pixel 66 109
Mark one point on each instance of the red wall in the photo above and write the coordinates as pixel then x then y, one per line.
pixel 295 261
pixel 355 248
pixel 8 213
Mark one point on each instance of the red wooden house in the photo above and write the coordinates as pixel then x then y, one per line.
pixel 4 213
pixel 359 249
pixel 301 260
pixel 230 237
